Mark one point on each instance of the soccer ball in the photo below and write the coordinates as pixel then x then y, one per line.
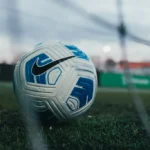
pixel 57 80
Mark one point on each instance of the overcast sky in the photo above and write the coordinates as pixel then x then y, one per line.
pixel 25 23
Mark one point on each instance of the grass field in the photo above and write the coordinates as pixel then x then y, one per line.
pixel 111 123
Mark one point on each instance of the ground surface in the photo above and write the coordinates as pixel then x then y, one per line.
pixel 111 123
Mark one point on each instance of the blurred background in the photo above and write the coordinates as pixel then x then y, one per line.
pixel 90 26
pixel 115 34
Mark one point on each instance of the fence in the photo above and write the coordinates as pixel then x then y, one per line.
pixel 118 80
pixel 6 72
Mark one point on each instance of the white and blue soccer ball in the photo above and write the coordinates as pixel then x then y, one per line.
pixel 56 78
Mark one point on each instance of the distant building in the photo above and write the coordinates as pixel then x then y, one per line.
pixel 136 67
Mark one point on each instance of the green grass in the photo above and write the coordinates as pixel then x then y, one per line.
pixel 111 123
pixel 7 97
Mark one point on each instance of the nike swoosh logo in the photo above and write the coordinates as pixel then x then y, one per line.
pixel 37 70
